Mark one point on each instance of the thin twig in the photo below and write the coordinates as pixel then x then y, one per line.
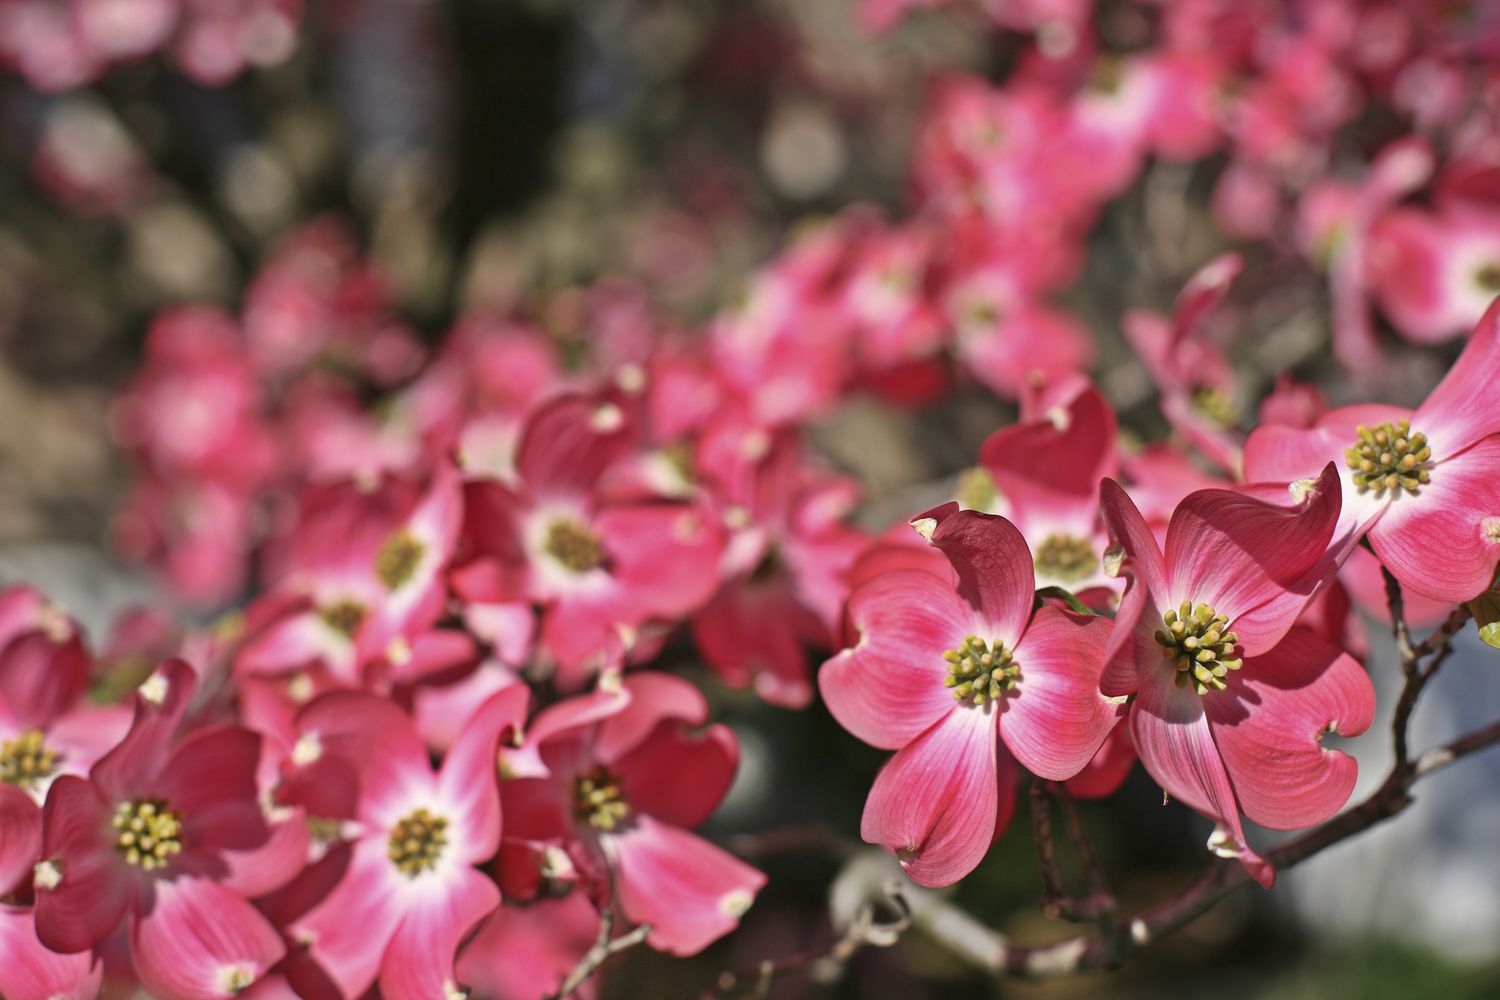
pixel 605 948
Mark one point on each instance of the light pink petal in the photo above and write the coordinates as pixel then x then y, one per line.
pixel 348 930
pixel 993 564
pixel 1444 542
pixel 935 803
pixel 665 555
pixel 691 892
pixel 86 905
pixel 20 837
pixel 87 733
pixel 1056 719
pixel 196 936
pixel 1146 591
pixel 1465 406
pixel 889 689
pixel 31 971
pixel 1362 578
pixel 509 629
pixel 419 961
pixel 1259 563
pixel 469 783
pixel 1171 733
pixel 677 776
pixel 1269 726
pixel 434 652
pixel 440 711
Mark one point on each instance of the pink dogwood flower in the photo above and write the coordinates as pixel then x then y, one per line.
pixel 168 835
pixel 408 894
pixel 1420 484
pixel 946 672
pixel 1229 705
pixel 601 568
pixel 613 782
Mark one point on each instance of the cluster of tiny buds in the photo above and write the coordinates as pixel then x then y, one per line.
pixel 599 800
pixel 417 842
pixel 1200 642
pixel 26 760
pixel 1389 457
pixel 980 671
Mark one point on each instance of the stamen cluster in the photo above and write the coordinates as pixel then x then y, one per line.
pixel 417 842
pixel 397 560
pixel 599 800
pixel 26 760
pixel 1199 640
pixel 1389 457
pixel 1066 557
pixel 574 545
pixel 980 671
pixel 149 833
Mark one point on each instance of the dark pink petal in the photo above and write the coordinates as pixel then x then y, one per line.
pixel 1445 541
pixel 888 689
pixel 691 892
pixel 1146 591
pixel 1269 726
pixel 31 971
pixel 677 776
pixel 129 770
pixel 1108 770
pixel 524 953
pixel 419 961
pixel 263 869
pixel 20 837
pixel 469 782
pixel 1056 719
pixel 346 931
pixel 654 698
pixel 1171 733
pixel 372 736
pixel 752 634
pixel 993 564
pixel 1023 458
pixel 41 678
pixel 935 803
pixel 1465 406
pixel 200 941
pixel 569 443
pixel 210 781
pixel 86 904
pixel 1259 563
pixel 434 652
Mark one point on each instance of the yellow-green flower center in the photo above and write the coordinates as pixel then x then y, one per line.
pixel 980 671
pixel 344 617
pixel 1389 457
pixel 417 842
pixel 1488 278
pixel 1066 557
pixel 1216 406
pixel 573 545
pixel 1198 640
pixel 27 760
pixel 149 833
pixel 976 489
pixel 599 801
pixel 398 559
